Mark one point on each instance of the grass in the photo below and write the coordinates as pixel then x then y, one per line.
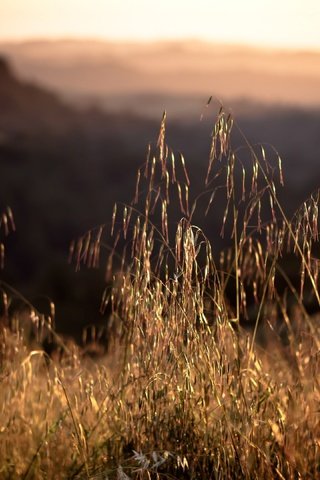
pixel 186 390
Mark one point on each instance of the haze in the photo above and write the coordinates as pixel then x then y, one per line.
pixel 177 76
pixel 288 23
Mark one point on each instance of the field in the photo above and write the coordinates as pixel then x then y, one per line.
pixel 212 367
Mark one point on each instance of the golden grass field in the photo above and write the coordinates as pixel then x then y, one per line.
pixel 185 390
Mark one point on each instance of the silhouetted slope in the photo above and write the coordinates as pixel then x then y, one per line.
pixel 27 106
pixel 114 73
pixel 61 172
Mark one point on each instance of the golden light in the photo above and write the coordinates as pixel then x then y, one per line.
pixel 285 23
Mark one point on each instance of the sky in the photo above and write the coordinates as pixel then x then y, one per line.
pixel 275 23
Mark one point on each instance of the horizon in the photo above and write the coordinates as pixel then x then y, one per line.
pixel 117 72
pixel 159 41
pixel 285 25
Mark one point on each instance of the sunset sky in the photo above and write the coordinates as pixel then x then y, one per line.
pixel 280 23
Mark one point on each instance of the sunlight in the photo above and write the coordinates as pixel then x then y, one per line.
pixel 289 23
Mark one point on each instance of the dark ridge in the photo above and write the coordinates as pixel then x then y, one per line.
pixel 26 106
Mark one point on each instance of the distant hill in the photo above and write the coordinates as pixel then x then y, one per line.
pixel 62 169
pixel 27 106
pixel 177 76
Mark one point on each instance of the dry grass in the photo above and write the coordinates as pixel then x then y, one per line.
pixel 185 392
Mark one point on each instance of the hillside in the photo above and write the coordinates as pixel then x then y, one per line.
pixel 146 77
pixel 62 170
pixel 26 106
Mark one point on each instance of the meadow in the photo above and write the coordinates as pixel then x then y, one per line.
pixel 212 367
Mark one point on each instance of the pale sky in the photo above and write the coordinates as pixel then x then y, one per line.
pixel 279 23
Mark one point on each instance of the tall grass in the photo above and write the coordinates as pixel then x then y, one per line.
pixel 186 391
pixel 6 226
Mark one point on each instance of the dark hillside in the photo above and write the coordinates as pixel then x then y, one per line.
pixel 62 170
pixel 27 106
pixel 60 173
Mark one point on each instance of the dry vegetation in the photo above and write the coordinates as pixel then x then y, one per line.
pixel 185 391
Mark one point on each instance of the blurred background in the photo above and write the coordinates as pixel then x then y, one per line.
pixel 83 86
